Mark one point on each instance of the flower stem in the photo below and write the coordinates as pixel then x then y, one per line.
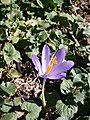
pixel 43 96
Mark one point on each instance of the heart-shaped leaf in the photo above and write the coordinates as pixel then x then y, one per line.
pixel 9 116
pixel 33 110
pixel 8 87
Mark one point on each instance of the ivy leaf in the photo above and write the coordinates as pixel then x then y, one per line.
pixel 79 96
pixel 10 53
pixel 15 39
pixel 79 18
pixel 17 101
pixel 42 24
pixel 33 110
pixel 42 36
pixel 62 118
pixel 59 34
pixel 30 107
pixel 6 106
pixel 39 3
pixel 6 2
pixel 75 71
pixel 1 100
pixel 35 50
pixel 32 116
pixel 89 79
pixel 80 78
pixel 77 78
pixel 59 2
pixel 10 116
pixel 68 16
pixel 66 86
pixel 11 15
pixel 50 15
pixel 12 73
pixel 16 36
pixel 17 56
pixel 87 31
pixel 89 57
pixel 8 87
pixel 66 112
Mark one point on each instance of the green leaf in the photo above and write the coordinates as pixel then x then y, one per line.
pixel 7 106
pixel 64 21
pixel 89 79
pixel 6 2
pixel 87 31
pixel 42 24
pixel 79 18
pixel 89 57
pixel 8 87
pixel 9 116
pixel 75 71
pixel 50 15
pixel 68 16
pixel 17 101
pixel 32 116
pixel 31 22
pixel 42 36
pixel 35 51
pixel 15 39
pixel 10 53
pixel 11 15
pixel 33 110
pixel 59 33
pixel 79 96
pixel 59 2
pixel 75 26
pixel 60 118
pixel 40 3
pixel 66 86
pixel 82 77
pixel 88 50
pixel 66 112
pixel 28 106
pixel 78 78
pixel 1 100
pixel 12 73
pixel 17 56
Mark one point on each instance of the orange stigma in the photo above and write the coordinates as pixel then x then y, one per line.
pixel 53 61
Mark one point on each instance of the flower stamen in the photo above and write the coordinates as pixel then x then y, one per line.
pixel 54 60
pixel 50 66
pixel 49 69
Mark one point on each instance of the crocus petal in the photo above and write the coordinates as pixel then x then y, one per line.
pixel 45 57
pixel 37 64
pixel 57 76
pixel 63 67
pixel 60 55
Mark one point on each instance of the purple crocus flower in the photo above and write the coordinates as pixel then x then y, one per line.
pixel 53 68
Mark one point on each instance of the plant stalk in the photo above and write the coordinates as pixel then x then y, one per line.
pixel 43 96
